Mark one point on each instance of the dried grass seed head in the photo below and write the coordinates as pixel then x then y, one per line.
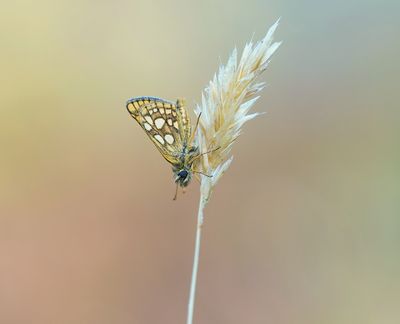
pixel 225 106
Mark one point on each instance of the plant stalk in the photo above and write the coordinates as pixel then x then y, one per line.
pixel 192 294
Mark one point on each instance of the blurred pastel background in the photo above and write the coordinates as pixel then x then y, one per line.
pixel 305 226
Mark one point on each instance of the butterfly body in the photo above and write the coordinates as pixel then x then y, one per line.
pixel 168 126
pixel 183 170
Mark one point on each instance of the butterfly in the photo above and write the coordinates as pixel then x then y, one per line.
pixel 167 124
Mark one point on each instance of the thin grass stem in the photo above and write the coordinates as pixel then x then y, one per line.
pixel 196 257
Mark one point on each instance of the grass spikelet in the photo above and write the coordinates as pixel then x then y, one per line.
pixel 224 109
pixel 225 106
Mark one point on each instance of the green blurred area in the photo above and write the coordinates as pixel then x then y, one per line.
pixel 304 228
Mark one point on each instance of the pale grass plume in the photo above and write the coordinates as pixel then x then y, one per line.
pixel 224 109
pixel 225 106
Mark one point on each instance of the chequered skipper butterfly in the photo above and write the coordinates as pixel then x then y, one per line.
pixel 168 126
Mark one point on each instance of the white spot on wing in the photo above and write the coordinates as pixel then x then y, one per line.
pixel 176 125
pixel 149 120
pixel 147 126
pixel 168 111
pixel 169 138
pixel 169 121
pixel 162 110
pixel 159 122
pixel 159 138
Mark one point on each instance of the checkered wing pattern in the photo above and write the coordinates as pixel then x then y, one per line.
pixel 166 123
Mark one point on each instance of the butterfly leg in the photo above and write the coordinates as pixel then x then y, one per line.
pixel 198 156
pixel 176 192
pixel 210 151
pixel 207 175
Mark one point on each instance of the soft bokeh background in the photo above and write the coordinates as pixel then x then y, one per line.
pixel 304 228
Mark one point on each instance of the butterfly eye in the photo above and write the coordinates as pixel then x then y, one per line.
pixel 183 174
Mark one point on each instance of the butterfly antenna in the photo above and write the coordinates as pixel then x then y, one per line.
pixel 176 192
pixel 195 130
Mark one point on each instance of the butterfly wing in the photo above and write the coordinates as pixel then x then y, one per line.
pixel 163 122
pixel 183 121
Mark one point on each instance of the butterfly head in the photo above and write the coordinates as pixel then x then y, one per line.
pixel 183 176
